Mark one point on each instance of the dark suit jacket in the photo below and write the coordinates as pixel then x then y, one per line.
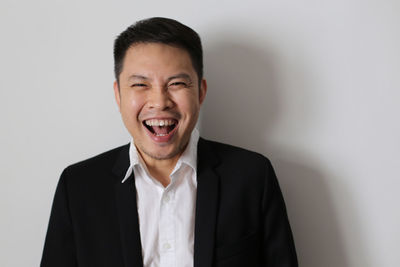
pixel 240 213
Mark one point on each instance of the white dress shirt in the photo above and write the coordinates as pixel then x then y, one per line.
pixel 166 214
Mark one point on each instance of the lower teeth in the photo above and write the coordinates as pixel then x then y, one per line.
pixel 161 134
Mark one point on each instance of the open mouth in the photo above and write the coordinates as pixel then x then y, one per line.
pixel 160 127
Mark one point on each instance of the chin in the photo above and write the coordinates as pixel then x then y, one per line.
pixel 161 153
pixel 161 156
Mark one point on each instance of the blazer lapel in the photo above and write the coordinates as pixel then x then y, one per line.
pixel 127 212
pixel 206 209
pixel 206 206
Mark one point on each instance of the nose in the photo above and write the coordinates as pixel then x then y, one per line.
pixel 159 98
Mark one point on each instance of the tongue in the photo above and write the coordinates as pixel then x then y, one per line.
pixel 160 129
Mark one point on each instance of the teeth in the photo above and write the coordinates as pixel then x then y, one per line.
pixel 154 122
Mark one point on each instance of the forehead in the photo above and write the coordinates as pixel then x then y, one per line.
pixel 156 59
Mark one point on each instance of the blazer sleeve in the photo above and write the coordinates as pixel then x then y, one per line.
pixel 59 247
pixel 277 240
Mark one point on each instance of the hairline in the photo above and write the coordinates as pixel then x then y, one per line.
pixel 173 44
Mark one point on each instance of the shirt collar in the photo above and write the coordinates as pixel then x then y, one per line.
pixel 188 157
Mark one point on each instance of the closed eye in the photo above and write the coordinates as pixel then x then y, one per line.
pixel 178 85
pixel 138 85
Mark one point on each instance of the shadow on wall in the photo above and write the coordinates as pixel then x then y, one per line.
pixel 242 107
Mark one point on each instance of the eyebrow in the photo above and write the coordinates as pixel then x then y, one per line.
pixel 136 76
pixel 180 75
pixel 177 76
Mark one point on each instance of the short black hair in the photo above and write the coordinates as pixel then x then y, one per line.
pixel 159 30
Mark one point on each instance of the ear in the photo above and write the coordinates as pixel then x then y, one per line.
pixel 117 94
pixel 202 91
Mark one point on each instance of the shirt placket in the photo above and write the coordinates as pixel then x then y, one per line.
pixel 167 228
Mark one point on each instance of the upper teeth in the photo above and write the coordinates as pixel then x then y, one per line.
pixel 159 122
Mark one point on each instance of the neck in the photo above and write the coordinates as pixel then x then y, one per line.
pixel 160 169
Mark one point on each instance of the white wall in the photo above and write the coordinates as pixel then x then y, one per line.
pixel 313 85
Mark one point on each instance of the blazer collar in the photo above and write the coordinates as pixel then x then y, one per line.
pixel 122 162
pixel 206 208
pixel 125 194
pixel 206 205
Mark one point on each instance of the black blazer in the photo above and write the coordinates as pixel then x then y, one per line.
pixel 240 213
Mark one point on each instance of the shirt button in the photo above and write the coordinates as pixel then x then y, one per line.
pixel 167 246
pixel 167 198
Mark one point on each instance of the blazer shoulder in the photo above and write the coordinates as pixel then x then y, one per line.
pixel 100 163
pixel 238 167
pixel 236 156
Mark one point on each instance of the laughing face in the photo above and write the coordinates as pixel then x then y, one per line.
pixel 159 97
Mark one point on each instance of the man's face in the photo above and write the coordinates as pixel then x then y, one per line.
pixel 159 98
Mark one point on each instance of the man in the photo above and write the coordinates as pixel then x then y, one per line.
pixel 169 198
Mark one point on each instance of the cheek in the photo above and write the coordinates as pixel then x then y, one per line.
pixel 188 103
pixel 190 112
pixel 130 107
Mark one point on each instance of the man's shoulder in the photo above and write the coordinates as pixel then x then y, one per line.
pixel 100 163
pixel 234 155
pixel 238 167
